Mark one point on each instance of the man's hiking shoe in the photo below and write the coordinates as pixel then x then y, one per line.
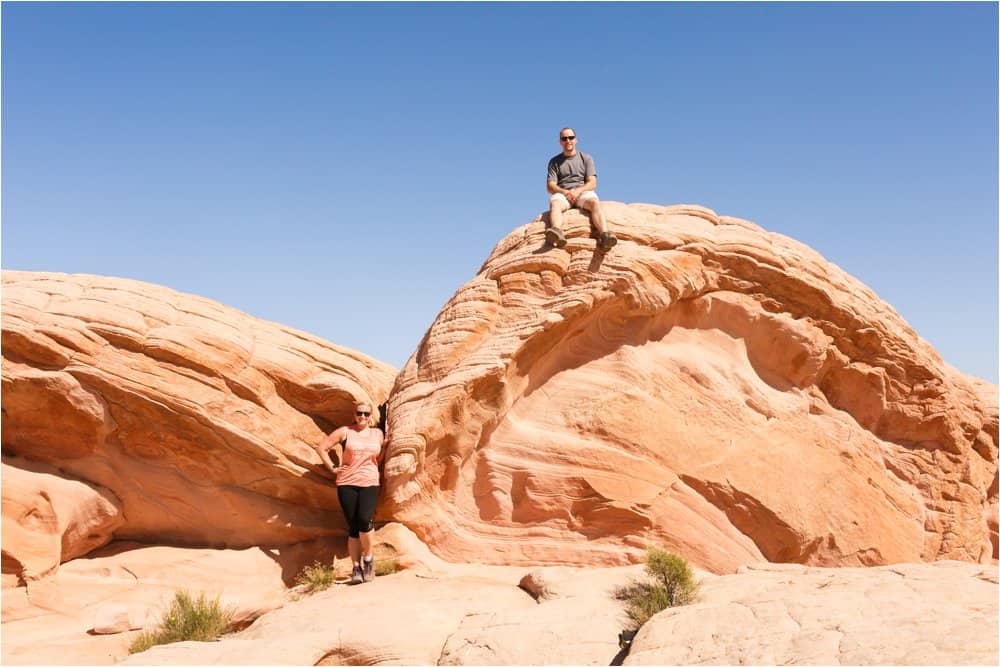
pixel 607 242
pixel 357 576
pixel 555 236
pixel 368 571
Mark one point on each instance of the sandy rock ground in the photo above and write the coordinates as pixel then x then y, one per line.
pixel 50 622
pixel 437 613
pixel 942 613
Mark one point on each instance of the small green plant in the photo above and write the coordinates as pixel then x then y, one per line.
pixel 384 567
pixel 187 619
pixel 674 573
pixel 670 583
pixel 316 577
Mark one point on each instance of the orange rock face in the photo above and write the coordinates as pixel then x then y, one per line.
pixel 192 420
pixel 48 519
pixel 707 386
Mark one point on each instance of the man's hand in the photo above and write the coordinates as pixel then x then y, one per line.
pixel 572 195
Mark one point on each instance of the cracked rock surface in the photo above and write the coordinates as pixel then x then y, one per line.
pixel 944 613
pixel 447 614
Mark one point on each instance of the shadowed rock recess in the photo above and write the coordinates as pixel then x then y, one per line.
pixel 707 386
pixel 167 418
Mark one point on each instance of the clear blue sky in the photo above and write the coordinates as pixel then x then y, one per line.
pixel 344 168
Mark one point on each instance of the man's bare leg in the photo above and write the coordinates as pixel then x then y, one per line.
pixel 596 215
pixel 556 209
pixel 605 239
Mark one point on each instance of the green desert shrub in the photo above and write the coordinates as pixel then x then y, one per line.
pixel 670 583
pixel 675 575
pixel 384 567
pixel 316 577
pixel 187 619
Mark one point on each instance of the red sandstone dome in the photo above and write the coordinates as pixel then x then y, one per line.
pixel 708 386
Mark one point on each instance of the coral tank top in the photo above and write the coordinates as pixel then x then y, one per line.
pixel 360 464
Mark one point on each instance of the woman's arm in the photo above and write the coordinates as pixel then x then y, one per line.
pixel 384 446
pixel 329 442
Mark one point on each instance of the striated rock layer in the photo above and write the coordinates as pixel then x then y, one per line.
pixel 192 423
pixel 707 386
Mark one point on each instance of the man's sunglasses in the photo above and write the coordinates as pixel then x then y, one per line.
pixel 569 138
pixel 361 413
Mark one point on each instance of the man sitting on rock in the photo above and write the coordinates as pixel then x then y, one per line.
pixel 572 182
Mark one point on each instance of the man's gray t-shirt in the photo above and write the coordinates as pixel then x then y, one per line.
pixel 573 171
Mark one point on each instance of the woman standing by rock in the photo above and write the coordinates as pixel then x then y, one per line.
pixel 357 484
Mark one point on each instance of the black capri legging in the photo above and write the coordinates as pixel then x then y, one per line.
pixel 358 503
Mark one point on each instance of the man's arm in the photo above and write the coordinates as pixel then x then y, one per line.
pixel 590 176
pixel 591 184
pixel 574 194
pixel 551 179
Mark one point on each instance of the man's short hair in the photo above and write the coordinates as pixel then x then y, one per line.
pixel 566 128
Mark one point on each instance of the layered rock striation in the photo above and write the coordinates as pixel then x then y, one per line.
pixel 134 412
pixel 707 386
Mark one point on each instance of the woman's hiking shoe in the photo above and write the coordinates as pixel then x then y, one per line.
pixel 368 572
pixel 555 236
pixel 607 242
pixel 357 576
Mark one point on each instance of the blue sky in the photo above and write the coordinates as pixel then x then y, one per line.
pixel 344 168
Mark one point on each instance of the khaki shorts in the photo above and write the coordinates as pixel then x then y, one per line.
pixel 584 197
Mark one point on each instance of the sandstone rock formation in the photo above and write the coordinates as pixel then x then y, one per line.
pixel 477 615
pixel 453 614
pixel 61 619
pixel 110 619
pixel 57 620
pixel 192 423
pixel 943 613
pixel 707 386
pixel 48 519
